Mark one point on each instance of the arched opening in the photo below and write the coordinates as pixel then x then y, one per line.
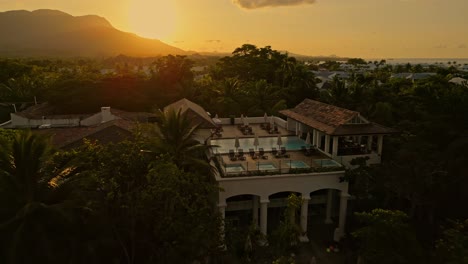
pixel 277 207
pixel 242 210
pixel 323 213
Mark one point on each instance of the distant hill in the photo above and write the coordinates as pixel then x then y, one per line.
pixel 55 33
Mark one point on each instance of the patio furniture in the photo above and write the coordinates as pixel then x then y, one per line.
pixel 240 154
pixel 252 153
pixel 261 153
pixel 274 151
pixel 232 155
pixel 283 150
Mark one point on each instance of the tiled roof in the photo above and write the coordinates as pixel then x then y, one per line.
pixel 331 120
pixel 321 116
pixel 133 116
pixel 196 112
pixel 63 137
pixel 49 111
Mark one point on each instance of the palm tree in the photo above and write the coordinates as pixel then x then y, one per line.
pixel 175 136
pixel 228 93
pixel 33 224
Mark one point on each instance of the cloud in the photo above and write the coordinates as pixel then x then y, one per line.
pixel 213 40
pixel 253 4
pixel 462 46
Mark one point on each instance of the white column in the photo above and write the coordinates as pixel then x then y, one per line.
pixel 222 211
pixel 255 210
pixel 314 137
pixel 328 212
pixel 369 142
pixel 327 143
pixel 340 231
pixel 335 146
pixel 264 216
pixel 379 144
pixel 304 217
pixel 319 139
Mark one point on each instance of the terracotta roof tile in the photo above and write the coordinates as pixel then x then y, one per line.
pixel 331 119
pixel 63 137
pixel 195 112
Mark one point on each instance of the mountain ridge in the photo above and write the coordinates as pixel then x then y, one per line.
pixel 47 32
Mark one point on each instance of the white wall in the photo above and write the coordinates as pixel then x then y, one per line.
pixel 264 186
pixel 19 121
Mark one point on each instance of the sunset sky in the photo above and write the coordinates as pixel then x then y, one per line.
pixel 355 28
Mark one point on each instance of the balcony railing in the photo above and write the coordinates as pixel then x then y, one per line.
pixel 275 167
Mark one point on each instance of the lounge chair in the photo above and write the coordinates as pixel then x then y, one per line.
pixel 306 151
pixel 283 150
pixel 261 153
pixel 240 154
pixel 312 150
pixel 252 153
pixel 232 155
pixel 274 151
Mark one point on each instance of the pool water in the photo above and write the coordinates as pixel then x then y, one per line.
pixel 232 168
pixel 224 145
pixel 298 164
pixel 266 166
pixel 327 163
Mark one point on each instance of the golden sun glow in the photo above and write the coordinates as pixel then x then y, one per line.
pixel 152 18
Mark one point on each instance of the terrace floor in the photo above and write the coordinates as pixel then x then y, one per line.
pixel 296 160
pixel 232 131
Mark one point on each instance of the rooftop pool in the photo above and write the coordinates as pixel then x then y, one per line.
pixel 327 163
pixel 298 164
pixel 224 145
pixel 234 168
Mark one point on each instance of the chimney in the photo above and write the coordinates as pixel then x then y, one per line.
pixel 106 114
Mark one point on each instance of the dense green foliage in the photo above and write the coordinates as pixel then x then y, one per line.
pixel 386 237
pixel 100 204
pixel 129 201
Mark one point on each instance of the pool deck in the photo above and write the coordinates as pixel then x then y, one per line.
pixel 232 131
pixel 250 164
pixel 281 164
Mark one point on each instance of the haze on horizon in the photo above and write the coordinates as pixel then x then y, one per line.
pixel 353 28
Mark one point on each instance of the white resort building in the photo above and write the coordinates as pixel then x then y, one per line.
pixel 261 160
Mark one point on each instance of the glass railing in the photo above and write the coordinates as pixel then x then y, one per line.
pixel 276 166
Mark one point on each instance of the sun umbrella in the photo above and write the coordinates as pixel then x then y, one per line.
pixel 279 142
pixel 256 143
pixel 242 118
pixel 271 120
pixel 265 116
pixel 236 143
pixel 308 139
pixel 246 121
